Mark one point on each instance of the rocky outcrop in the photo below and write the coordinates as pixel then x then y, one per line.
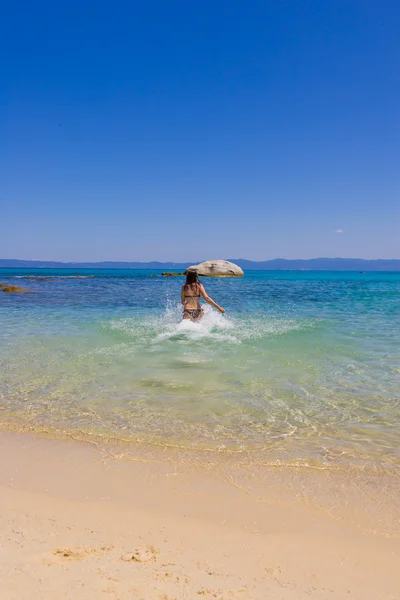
pixel 15 289
pixel 217 268
pixel 172 274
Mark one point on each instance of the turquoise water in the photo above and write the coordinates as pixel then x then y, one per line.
pixel 304 368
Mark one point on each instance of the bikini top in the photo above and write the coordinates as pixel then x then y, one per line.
pixel 191 296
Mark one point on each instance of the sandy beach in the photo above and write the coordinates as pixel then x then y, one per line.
pixel 77 525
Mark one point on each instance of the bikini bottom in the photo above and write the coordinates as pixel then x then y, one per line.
pixel 194 313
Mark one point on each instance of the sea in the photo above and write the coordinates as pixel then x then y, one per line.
pixel 303 369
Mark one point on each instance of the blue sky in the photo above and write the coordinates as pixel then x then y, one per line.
pixel 184 131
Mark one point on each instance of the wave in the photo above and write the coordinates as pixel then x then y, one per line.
pixel 212 327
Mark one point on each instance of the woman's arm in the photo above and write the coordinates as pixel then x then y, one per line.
pixel 183 295
pixel 210 300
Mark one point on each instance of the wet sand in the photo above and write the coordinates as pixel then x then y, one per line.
pixel 76 524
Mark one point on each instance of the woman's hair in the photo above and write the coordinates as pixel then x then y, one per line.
pixel 191 277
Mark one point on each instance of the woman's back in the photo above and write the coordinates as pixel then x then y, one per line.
pixel 192 294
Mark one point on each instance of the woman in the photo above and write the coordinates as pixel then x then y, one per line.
pixel 190 297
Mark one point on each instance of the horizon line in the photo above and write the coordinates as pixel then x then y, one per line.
pixel 191 262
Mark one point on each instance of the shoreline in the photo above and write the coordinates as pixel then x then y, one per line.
pixel 147 527
pixel 116 446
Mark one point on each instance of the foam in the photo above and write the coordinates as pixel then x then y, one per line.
pixel 213 326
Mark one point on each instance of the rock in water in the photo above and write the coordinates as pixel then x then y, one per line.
pixel 217 268
pixel 14 289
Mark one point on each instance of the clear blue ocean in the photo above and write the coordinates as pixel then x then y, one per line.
pixel 304 368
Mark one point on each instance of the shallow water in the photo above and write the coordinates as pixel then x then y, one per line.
pixel 304 368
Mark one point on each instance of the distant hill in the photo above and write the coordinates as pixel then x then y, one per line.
pixel 322 264
pixel 277 264
pixel 49 264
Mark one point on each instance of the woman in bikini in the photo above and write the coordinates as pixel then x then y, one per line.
pixel 191 292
